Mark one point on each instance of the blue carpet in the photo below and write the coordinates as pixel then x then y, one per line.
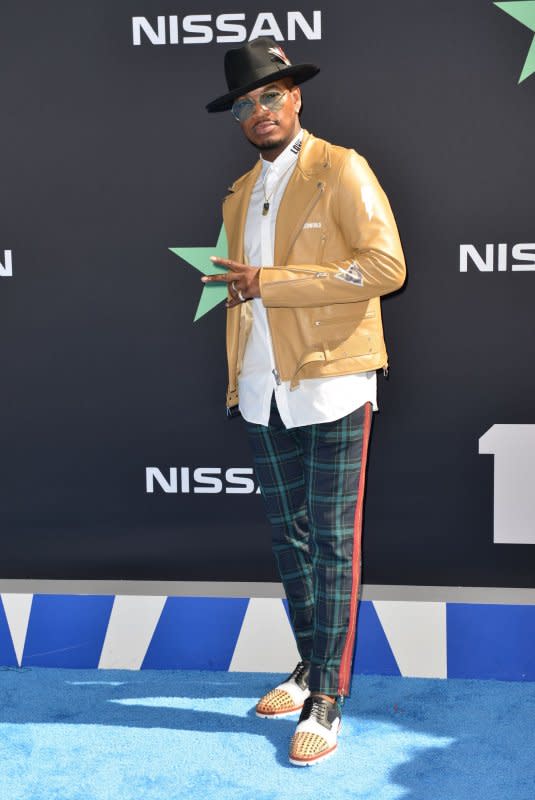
pixel 70 734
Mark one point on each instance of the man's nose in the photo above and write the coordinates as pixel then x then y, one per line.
pixel 259 108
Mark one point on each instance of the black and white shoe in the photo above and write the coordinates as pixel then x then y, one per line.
pixel 315 737
pixel 288 697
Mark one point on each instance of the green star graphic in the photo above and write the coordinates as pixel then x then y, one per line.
pixel 523 11
pixel 199 257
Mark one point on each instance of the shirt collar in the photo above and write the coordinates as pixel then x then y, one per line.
pixel 284 160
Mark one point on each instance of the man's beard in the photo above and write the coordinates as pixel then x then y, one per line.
pixel 268 145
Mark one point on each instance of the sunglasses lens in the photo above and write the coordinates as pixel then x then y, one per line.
pixel 243 109
pixel 272 100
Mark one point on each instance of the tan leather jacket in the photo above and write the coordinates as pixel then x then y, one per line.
pixel 337 250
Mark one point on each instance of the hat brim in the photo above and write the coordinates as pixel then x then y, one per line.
pixel 299 72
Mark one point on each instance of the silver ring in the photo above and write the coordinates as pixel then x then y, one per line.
pixel 233 287
pixel 242 298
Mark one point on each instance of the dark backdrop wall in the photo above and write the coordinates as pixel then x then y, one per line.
pixel 116 458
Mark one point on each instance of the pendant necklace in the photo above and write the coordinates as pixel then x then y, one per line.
pixel 265 207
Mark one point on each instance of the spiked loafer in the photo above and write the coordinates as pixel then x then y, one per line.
pixel 288 697
pixel 315 737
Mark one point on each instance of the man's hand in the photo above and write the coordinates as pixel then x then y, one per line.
pixel 244 281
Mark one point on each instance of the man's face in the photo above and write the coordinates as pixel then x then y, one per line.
pixel 272 131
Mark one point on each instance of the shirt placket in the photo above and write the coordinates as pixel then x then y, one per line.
pixel 272 190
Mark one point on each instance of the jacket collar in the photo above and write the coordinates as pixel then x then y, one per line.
pixel 314 155
pixel 313 158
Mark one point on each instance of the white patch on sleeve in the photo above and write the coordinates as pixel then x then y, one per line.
pixel 312 225
pixel 351 275
pixel 368 198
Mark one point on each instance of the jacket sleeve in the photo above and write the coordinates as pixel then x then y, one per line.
pixel 376 266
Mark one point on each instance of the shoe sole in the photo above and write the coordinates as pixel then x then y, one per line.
pixel 279 715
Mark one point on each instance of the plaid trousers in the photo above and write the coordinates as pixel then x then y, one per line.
pixel 312 480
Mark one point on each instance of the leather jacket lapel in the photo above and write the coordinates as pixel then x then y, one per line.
pixel 301 195
pixel 235 212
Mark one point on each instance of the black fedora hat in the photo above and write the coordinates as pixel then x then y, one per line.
pixel 255 64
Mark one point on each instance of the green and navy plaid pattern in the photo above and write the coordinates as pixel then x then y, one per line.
pixel 309 478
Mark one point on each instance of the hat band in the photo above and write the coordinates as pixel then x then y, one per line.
pixel 258 74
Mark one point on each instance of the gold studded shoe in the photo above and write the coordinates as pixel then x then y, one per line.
pixel 288 697
pixel 315 737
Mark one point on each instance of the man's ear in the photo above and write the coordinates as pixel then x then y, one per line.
pixel 296 92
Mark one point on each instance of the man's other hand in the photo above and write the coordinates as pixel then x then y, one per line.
pixel 243 281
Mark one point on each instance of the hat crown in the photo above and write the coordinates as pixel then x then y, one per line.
pixel 259 58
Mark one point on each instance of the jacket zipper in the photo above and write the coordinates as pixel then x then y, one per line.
pixel 323 241
pixel 311 276
pixel 317 322
pixel 341 320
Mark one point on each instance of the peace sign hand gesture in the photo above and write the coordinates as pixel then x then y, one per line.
pixel 244 281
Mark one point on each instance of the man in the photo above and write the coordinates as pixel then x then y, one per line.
pixel 312 245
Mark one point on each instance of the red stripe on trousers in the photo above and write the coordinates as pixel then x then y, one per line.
pixel 344 678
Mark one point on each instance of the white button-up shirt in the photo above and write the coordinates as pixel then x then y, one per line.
pixel 315 399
